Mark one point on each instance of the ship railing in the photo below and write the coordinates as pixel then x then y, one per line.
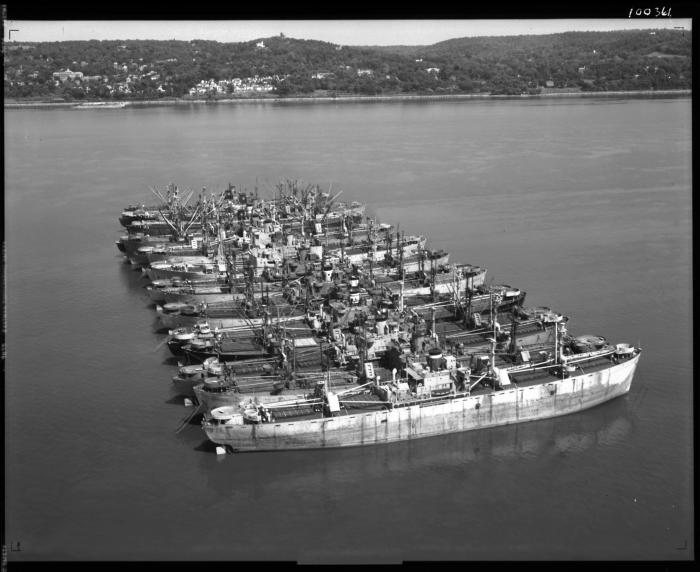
pixel 575 358
pixel 358 402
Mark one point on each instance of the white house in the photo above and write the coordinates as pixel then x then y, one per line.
pixel 67 74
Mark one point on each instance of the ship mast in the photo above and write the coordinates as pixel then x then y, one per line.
pixel 493 361
pixel 329 377
pixel 470 288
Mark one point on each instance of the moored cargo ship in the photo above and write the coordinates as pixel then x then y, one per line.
pixel 429 404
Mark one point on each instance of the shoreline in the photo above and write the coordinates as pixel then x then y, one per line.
pixel 356 99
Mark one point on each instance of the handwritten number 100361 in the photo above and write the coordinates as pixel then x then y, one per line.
pixel 663 11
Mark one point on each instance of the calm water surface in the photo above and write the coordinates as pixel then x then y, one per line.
pixel 583 204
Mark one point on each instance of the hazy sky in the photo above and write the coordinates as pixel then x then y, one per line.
pixel 347 32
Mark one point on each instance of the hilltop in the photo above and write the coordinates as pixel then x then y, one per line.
pixel 280 66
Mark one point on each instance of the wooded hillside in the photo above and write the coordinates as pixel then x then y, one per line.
pixel 281 66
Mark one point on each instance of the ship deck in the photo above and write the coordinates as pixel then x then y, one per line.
pixel 366 402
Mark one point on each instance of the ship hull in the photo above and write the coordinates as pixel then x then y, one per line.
pixel 197 298
pixel 185 387
pixel 168 274
pixel 415 264
pixel 237 320
pixel 530 403
pixel 229 356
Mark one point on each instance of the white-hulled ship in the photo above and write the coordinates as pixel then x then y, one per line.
pixel 434 400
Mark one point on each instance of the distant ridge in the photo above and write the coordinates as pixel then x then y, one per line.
pixel 507 65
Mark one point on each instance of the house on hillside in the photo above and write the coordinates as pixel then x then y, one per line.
pixel 67 74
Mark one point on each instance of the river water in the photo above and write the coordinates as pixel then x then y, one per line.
pixel 584 204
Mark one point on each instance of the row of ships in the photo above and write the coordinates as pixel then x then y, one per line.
pixel 299 322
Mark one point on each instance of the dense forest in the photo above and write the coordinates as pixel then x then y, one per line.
pixel 281 66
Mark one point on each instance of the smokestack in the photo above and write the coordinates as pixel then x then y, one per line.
pixel 434 359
